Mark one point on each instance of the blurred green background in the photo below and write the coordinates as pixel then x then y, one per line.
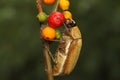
pixel 21 55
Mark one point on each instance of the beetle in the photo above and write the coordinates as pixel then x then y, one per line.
pixel 68 51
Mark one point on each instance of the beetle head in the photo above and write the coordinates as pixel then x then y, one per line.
pixel 70 23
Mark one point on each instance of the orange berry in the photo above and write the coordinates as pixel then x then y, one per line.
pixel 48 33
pixel 49 2
pixel 64 4
pixel 67 14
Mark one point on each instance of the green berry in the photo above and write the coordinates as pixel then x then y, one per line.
pixel 42 17
pixel 58 34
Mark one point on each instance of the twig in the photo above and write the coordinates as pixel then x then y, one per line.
pixel 56 6
pixel 48 66
pixel 39 6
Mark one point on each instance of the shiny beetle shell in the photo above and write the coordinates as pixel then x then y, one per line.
pixel 68 52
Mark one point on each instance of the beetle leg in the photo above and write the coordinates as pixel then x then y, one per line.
pixel 50 54
pixel 55 40
pixel 66 28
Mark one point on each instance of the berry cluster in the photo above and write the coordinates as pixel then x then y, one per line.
pixel 54 20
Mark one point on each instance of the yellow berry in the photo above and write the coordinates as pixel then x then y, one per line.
pixel 64 4
pixel 48 33
pixel 67 14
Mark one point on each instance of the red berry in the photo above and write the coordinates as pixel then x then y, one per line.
pixel 56 19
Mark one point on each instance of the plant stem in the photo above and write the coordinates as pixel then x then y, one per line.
pixel 48 66
pixel 56 6
pixel 39 6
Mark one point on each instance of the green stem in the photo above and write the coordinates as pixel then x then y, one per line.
pixel 56 6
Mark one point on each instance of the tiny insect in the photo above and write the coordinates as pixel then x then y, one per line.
pixel 68 51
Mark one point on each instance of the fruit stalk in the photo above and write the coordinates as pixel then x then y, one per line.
pixel 48 66
pixel 56 6
pixel 39 6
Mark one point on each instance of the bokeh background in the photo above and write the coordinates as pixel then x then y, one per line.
pixel 21 55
